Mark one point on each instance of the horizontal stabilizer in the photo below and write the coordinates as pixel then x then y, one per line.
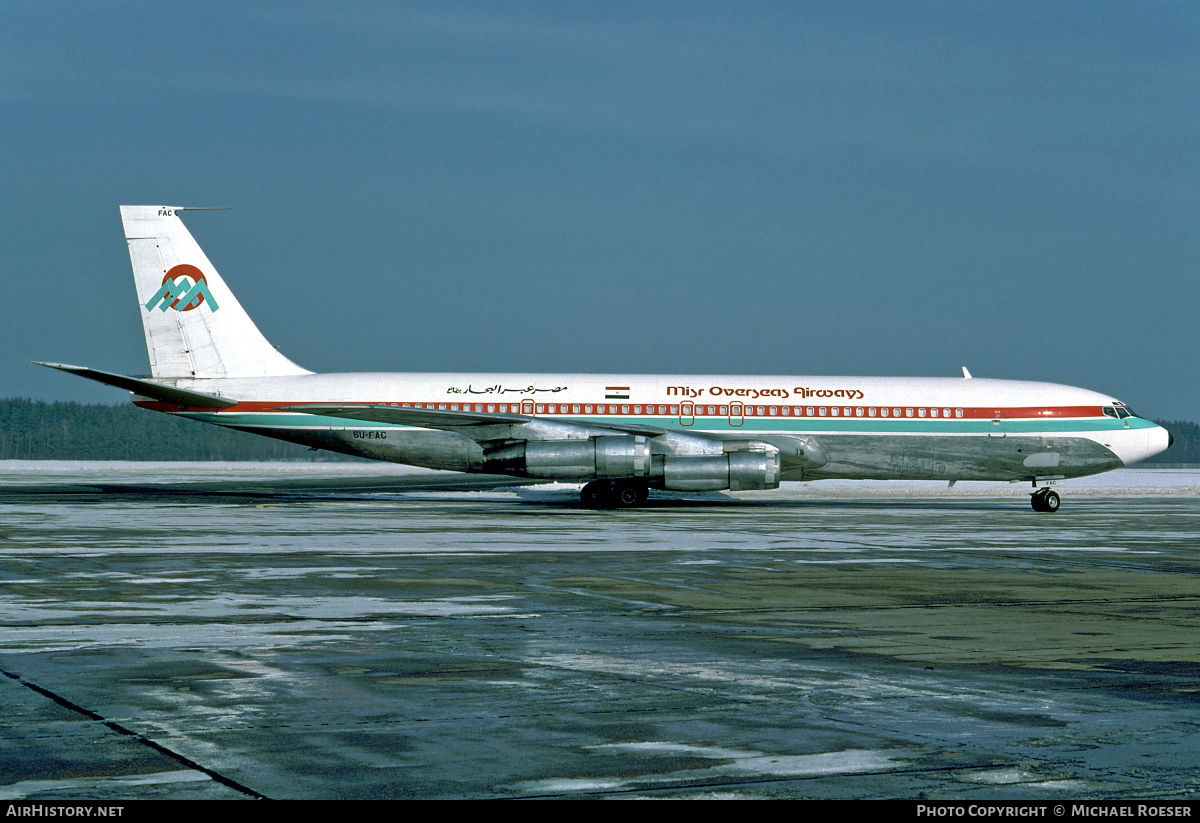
pixel 147 388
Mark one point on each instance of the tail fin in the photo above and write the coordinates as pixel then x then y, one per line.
pixel 195 327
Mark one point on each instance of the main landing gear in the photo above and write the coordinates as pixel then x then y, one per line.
pixel 614 494
pixel 1045 500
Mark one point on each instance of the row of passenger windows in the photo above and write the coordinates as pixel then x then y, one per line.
pixel 693 410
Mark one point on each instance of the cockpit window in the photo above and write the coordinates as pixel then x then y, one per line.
pixel 1124 412
pixel 1111 412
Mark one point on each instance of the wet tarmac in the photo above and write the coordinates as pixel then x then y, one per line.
pixel 368 632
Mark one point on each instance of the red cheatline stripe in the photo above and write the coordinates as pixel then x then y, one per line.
pixel 685 409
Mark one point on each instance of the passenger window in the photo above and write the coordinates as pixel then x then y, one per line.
pixel 833 412
pixel 871 412
pixel 674 410
pixel 908 412
pixel 491 408
pixel 958 412
pixel 858 412
pixel 541 409
pixel 809 411
pixel 883 412
pixel 920 412
pixel 821 411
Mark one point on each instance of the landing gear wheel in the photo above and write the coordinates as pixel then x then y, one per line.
pixel 617 494
pixel 626 494
pixel 1045 500
pixel 594 494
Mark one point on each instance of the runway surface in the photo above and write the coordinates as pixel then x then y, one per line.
pixel 345 630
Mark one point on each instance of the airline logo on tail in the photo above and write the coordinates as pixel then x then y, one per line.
pixel 183 289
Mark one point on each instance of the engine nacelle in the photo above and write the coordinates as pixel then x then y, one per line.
pixel 736 471
pixel 629 457
pixel 621 455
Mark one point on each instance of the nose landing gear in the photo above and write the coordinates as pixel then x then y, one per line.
pixel 1045 500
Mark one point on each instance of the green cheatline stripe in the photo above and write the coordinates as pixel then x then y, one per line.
pixel 781 425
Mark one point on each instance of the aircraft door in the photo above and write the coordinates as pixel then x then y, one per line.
pixel 737 414
pixel 999 427
pixel 687 414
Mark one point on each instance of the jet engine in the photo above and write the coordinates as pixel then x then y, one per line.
pixel 737 471
pixel 630 457
pixel 621 455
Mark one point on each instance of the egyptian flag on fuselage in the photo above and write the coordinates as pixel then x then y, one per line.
pixel 616 392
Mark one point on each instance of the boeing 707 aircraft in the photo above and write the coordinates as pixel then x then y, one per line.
pixel 620 435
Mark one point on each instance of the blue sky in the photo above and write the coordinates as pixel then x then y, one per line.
pixel 778 188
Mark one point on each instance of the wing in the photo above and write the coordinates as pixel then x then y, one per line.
pixel 549 448
pixel 489 430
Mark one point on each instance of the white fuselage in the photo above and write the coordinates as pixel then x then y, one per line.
pixel 866 427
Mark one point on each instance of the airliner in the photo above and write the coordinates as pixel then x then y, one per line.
pixel 619 435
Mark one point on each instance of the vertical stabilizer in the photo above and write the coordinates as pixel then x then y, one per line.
pixel 194 325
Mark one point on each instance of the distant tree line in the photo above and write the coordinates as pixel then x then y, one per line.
pixel 36 430
pixel 1185 449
